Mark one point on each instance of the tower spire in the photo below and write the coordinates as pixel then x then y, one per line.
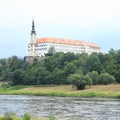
pixel 33 27
pixel 33 32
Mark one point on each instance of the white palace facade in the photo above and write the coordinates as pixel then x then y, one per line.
pixel 41 46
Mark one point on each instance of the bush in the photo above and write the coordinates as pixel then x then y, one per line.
pixel 52 117
pixel 10 116
pixel 80 81
pixel 94 76
pixel 106 78
pixel 26 116
pixel 5 86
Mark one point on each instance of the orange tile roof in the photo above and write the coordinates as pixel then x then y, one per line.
pixel 66 41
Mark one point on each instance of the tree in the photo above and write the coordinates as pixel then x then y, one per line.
pixel 93 64
pixel 94 76
pixel 80 81
pixel 59 59
pixel 14 63
pixel 70 68
pixel 83 59
pixel 50 63
pixel 18 77
pixel 69 56
pixel 3 62
pixel 41 76
pixel 6 74
pixel 112 52
pixel 117 73
pixel 113 67
pixel 1 70
pixel 106 78
pixel 51 50
pixel 58 77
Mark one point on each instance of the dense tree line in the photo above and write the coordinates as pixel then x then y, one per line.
pixel 63 68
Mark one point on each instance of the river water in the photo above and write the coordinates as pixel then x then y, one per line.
pixel 62 107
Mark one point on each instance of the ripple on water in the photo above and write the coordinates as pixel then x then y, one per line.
pixel 62 107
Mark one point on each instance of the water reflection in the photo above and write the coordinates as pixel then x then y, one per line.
pixel 62 107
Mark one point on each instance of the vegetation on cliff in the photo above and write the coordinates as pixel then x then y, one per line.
pixel 61 69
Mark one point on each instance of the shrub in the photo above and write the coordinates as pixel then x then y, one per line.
pixel 106 78
pixel 5 86
pixel 94 76
pixel 52 117
pixel 10 116
pixel 26 116
pixel 80 81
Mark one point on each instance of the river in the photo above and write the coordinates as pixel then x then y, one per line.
pixel 62 107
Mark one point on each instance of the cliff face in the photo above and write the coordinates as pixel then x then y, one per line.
pixel 31 59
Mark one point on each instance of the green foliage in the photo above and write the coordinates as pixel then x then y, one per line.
pixel 58 77
pixel 18 77
pixel 56 68
pixel 51 50
pixel 92 64
pixel 80 81
pixel 50 63
pixel 52 117
pixel 41 76
pixel 6 74
pixel 106 78
pixel 14 63
pixel 26 116
pixel 68 57
pixel 5 86
pixel 10 116
pixel 70 68
pixel 94 76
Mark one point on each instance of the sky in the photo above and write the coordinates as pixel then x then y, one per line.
pixel 95 21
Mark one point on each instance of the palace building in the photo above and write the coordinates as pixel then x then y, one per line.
pixel 41 46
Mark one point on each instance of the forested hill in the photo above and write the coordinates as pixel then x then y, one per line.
pixel 63 68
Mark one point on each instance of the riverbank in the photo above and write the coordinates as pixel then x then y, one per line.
pixel 27 117
pixel 106 91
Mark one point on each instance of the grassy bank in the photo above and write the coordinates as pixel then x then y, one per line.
pixel 26 116
pixel 108 91
pixel 32 118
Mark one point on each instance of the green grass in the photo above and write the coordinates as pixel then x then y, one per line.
pixel 51 117
pixel 108 91
pixel 26 116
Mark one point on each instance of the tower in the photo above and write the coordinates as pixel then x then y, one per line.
pixel 32 44
pixel 33 33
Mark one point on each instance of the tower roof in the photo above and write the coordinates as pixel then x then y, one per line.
pixel 33 27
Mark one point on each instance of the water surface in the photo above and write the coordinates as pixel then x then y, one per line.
pixel 62 107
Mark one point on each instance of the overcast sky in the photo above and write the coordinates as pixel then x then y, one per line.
pixel 95 21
